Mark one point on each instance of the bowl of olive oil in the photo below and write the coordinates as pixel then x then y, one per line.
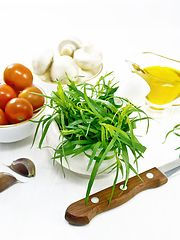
pixel 162 74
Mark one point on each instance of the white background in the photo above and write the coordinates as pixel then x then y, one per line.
pixel 35 210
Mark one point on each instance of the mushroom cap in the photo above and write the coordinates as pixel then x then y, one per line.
pixel 88 57
pixel 42 60
pixel 63 65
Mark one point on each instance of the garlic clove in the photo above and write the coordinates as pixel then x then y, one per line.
pixel 24 167
pixel 6 180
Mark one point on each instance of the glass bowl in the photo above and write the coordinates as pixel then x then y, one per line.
pixel 162 74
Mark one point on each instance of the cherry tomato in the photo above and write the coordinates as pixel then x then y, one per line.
pixel 3 119
pixel 18 76
pixel 6 94
pixel 36 100
pixel 18 110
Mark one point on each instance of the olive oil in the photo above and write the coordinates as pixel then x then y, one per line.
pixel 164 84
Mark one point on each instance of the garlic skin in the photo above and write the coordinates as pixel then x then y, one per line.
pixel 24 167
pixel 6 180
pixel 42 60
pixel 68 46
pixel 63 65
pixel 88 57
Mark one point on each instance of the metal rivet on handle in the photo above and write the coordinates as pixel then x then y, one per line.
pixel 149 175
pixel 122 187
pixel 95 200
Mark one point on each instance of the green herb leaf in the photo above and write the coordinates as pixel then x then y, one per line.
pixel 90 122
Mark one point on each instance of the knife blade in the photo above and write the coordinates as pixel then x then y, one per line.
pixel 80 214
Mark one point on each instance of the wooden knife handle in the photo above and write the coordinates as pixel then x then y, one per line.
pixel 80 214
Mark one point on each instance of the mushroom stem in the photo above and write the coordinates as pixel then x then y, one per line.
pixel 88 47
pixel 68 46
pixel 68 49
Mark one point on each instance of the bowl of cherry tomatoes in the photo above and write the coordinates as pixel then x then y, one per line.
pixel 21 103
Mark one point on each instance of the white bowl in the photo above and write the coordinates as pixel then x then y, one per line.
pixel 77 164
pixel 50 86
pixel 16 132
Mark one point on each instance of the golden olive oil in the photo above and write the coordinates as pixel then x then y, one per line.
pixel 164 84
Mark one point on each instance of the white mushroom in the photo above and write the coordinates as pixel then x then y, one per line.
pixel 68 46
pixel 42 60
pixel 88 57
pixel 62 65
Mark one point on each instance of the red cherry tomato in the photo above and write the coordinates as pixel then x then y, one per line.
pixel 6 94
pixel 3 119
pixel 18 76
pixel 18 110
pixel 37 101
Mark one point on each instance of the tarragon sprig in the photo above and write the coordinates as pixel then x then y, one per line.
pixel 175 131
pixel 90 119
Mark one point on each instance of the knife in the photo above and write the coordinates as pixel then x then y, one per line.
pixel 80 214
